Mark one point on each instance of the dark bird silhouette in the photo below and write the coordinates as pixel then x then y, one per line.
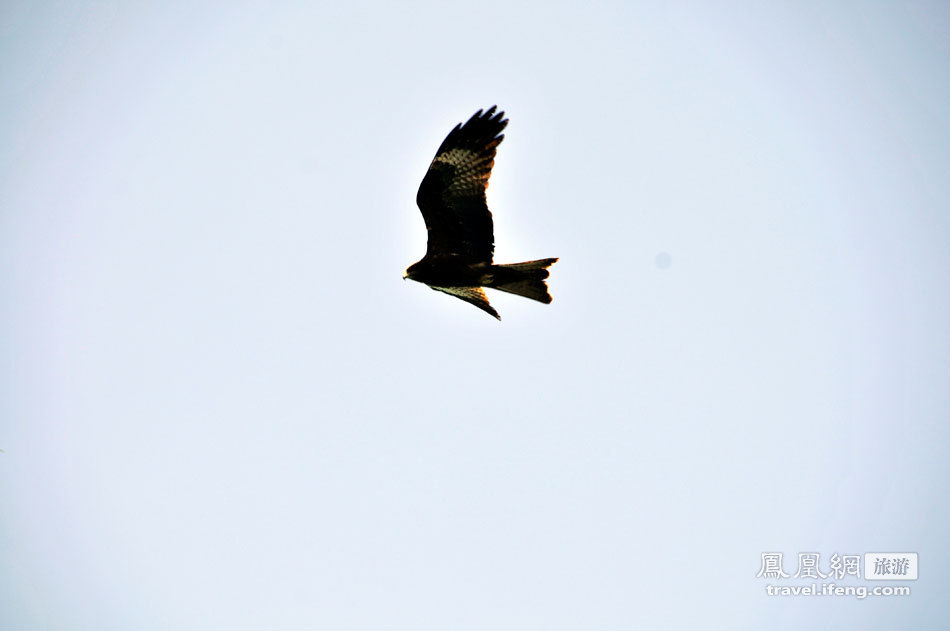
pixel 461 244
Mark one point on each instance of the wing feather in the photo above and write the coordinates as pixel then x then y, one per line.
pixel 452 194
pixel 471 295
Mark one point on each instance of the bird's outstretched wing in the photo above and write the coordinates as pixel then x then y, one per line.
pixel 471 295
pixel 452 194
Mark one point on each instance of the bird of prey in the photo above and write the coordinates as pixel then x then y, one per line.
pixel 458 258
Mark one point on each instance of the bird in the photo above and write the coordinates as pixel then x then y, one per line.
pixel 461 240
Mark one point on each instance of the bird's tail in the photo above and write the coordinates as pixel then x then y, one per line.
pixel 524 279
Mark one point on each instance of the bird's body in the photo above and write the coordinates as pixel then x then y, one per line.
pixel 461 243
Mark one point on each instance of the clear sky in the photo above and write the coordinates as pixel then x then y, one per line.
pixel 221 407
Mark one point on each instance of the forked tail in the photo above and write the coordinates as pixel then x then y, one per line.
pixel 524 279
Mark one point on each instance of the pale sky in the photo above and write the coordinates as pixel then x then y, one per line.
pixel 221 407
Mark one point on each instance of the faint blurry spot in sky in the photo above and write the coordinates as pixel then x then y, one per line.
pixel 663 260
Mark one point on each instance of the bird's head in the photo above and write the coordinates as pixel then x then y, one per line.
pixel 410 271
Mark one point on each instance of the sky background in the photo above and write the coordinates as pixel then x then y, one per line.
pixel 222 408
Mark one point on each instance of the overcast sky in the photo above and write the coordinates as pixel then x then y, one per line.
pixel 221 407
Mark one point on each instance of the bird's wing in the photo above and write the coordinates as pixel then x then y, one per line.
pixel 471 295
pixel 452 194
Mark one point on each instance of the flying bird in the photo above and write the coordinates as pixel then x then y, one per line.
pixel 461 243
